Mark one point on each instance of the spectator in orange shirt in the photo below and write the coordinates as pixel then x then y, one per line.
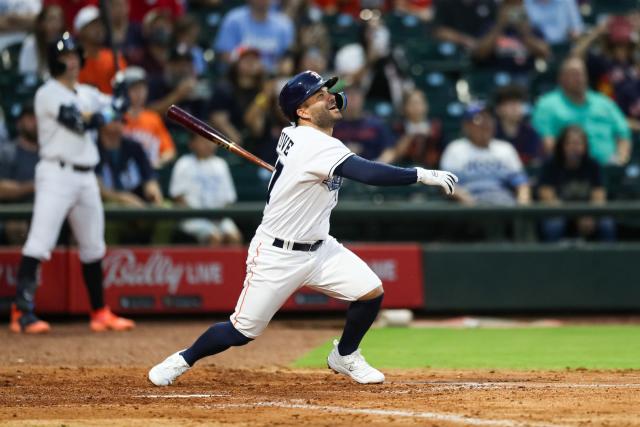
pixel 143 125
pixel 98 69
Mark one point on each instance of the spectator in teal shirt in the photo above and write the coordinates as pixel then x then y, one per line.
pixel 574 104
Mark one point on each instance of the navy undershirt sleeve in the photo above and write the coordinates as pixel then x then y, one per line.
pixel 375 173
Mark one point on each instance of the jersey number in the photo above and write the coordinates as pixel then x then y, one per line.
pixel 274 178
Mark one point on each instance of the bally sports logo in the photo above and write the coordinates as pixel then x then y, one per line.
pixel 122 268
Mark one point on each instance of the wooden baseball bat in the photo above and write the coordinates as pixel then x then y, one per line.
pixel 196 125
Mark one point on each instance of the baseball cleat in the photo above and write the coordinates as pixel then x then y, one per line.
pixel 354 366
pixel 103 319
pixel 27 323
pixel 166 372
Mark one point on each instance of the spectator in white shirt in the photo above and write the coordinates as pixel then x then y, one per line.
pixel 202 180
pixel 489 170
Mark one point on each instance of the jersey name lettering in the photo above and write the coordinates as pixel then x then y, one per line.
pixel 284 144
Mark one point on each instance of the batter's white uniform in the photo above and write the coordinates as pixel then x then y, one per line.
pixel 302 193
pixel 62 189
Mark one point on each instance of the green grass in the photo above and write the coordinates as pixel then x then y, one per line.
pixel 591 347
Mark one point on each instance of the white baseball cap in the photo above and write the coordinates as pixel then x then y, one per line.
pixel 85 16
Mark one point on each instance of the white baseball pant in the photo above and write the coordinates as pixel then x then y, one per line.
pixel 62 192
pixel 273 274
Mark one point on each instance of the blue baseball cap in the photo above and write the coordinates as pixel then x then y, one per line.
pixel 473 109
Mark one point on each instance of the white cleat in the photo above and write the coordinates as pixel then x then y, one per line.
pixel 168 370
pixel 354 366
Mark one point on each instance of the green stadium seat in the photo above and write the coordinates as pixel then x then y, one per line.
pixel 440 90
pixel 404 27
pixel 484 81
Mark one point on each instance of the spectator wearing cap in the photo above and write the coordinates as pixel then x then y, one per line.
pixel 125 35
pixel 489 170
pixel 364 134
pixel 259 26
pixel 99 65
pixel 242 104
pixel 608 51
pixel 18 161
pixel 157 30
pixel 512 125
pixel 558 20
pixel 125 173
pixel 572 103
pixel 48 28
pixel 126 178
pixel 142 124
pixel 179 85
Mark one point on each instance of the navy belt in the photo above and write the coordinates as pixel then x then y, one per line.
pixel 295 246
pixel 76 167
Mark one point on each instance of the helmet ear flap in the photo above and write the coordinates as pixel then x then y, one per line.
pixel 341 100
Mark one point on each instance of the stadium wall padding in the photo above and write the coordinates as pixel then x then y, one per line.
pixel 531 277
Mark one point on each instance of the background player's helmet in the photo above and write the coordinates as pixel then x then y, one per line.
pixel 301 87
pixel 63 45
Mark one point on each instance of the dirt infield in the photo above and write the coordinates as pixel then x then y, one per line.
pixel 72 377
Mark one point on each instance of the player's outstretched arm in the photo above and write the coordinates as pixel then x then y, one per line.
pixel 382 174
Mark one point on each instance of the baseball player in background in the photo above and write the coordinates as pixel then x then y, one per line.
pixel 292 246
pixel 66 187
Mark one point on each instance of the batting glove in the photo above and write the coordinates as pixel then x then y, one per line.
pixel 444 179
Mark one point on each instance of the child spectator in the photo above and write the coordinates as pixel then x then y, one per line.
pixel 573 176
pixel 143 125
pixel 202 180
pixel 512 126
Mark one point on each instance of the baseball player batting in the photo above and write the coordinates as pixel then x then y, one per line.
pixel 66 187
pixel 292 246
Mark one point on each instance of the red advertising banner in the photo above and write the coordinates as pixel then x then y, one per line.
pixel 196 280
pixel 164 280
pixel 51 296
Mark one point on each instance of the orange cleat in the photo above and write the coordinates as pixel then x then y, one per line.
pixel 27 323
pixel 103 320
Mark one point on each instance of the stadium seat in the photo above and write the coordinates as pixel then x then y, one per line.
pixel 440 89
pixel 404 27
pixel 484 81
pixel 344 29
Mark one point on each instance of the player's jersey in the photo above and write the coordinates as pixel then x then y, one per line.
pixel 56 141
pixel 303 190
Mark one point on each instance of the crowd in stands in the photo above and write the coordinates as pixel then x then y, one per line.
pixel 527 101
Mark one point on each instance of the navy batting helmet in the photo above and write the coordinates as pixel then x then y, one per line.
pixel 301 87
pixel 63 45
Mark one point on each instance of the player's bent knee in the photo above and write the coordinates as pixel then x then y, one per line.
pixel 233 337
pixel 375 293
pixel 90 255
